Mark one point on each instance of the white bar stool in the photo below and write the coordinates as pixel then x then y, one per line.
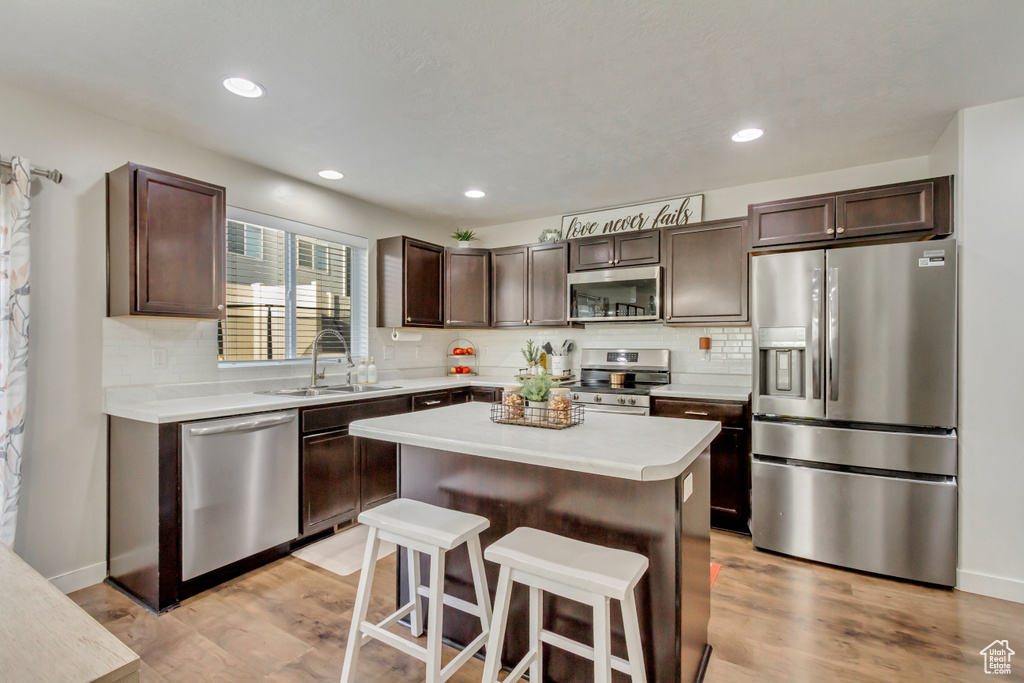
pixel 420 528
pixel 584 572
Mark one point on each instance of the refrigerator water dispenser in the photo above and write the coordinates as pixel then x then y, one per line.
pixel 782 352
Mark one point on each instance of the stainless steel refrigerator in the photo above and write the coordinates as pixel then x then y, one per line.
pixel 854 442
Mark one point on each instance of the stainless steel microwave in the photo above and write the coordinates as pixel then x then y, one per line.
pixel 615 295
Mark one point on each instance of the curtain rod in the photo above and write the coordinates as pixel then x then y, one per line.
pixel 50 174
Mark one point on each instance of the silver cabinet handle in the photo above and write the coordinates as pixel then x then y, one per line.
pixel 695 412
pixel 408 319
pixel 431 403
pixel 829 231
pixel 816 333
pixel 247 426
pixel 833 334
pixel 220 307
pixel 840 230
pixel 447 322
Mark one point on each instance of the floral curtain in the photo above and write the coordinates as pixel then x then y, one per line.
pixel 14 231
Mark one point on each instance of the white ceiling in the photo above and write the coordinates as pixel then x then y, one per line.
pixel 550 106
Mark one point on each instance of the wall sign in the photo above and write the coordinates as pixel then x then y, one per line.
pixel 649 216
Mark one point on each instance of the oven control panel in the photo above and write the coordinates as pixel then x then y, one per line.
pixel 622 357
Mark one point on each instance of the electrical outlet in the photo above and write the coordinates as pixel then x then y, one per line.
pixel 159 358
pixel 389 352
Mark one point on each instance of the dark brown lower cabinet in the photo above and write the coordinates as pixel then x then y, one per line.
pixel 378 473
pixel 460 395
pixel 730 456
pixel 433 399
pixel 330 479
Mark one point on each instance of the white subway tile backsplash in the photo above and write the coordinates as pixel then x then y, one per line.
pixel 192 351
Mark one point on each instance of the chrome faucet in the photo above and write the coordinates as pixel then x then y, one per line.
pixel 314 376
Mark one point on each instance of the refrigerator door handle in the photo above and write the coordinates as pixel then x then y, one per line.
pixel 833 334
pixel 816 333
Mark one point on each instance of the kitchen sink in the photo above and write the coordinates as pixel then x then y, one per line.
pixel 310 392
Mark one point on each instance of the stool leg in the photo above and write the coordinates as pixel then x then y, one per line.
pixel 483 596
pixel 436 609
pixel 602 641
pixel 634 645
pixel 355 634
pixel 492 665
pixel 412 558
pixel 536 624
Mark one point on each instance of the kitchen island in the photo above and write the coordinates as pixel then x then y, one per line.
pixel 639 484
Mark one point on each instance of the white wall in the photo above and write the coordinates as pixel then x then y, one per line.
pixel 62 518
pixel 991 235
pixel 730 202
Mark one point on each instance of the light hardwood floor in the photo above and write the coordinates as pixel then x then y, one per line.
pixel 772 619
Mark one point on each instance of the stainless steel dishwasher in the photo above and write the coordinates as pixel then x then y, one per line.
pixel 239 488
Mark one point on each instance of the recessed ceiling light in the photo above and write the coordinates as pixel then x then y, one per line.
pixel 747 134
pixel 244 87
pixel 475 194
pixel 331 175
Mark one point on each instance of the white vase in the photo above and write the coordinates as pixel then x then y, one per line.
pixel 465 245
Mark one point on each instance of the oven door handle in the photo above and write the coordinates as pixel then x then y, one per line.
pixel 621 410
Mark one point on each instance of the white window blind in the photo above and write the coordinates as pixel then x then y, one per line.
pixel 287 281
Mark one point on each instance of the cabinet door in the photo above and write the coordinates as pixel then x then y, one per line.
pixel 457 396
pixel 424 284
pixel 179 246
pixel 330 480
pixel 378 475
pixel 638 248
pixel 547 298
pixel 730 480
pixel 706 273
pixel 887 210
pixel 509 282
pixel 793 221
pixel 467 290
pixel 593 253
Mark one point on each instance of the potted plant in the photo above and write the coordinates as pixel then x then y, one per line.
pixel 537 389
pixel 532 355
pixel 465 238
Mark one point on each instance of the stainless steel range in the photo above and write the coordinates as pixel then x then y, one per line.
pixel 620 380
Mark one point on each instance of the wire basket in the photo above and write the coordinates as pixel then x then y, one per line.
pixel 532 416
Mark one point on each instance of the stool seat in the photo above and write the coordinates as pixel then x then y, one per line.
pixel 596 569
pixel 429 524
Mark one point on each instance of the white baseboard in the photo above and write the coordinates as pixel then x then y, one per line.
pixel 992 586
pixel 80 578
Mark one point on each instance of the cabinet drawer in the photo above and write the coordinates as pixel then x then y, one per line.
pixel 458 396
pixel 729 414
pixel 341 415
pixel 485 394
pixel 436 399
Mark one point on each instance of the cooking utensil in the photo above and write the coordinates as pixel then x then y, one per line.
pixel 547 348
pixel 571 347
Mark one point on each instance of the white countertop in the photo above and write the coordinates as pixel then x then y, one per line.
pixel 203 407
pixel 616 445
pixel 703 391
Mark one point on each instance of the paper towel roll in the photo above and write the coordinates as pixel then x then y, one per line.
pixel 403 336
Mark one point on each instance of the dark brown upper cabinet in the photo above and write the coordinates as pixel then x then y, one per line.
pixel 919 208
pixel 410 283
pixel 706 272
pixel 467 288
pixel 165 245
pixel 528 285
pixel 611 251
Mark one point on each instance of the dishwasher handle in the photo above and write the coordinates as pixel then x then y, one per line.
pixel 247 426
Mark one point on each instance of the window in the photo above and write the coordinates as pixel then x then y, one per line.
pixel 245 240
pixel 286 282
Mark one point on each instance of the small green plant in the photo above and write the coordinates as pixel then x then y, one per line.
pixel 538 387
pixel 464 236
pixel 550 235
pixel 531 353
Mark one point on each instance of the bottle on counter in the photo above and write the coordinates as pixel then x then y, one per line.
pixel 361 373
pixel 371 372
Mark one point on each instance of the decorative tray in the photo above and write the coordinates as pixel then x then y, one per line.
pixel 532 416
